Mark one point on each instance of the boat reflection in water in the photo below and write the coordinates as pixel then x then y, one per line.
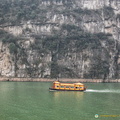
pixel 76 95
pixel 66 99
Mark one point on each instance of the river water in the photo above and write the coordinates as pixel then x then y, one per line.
pixel 34 101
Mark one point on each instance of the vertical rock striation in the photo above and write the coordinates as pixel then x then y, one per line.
pixel 60 38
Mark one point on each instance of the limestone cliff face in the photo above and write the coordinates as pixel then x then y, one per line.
pixel 6 64
pixel 61 38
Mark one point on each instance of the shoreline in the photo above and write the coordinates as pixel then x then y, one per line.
pixel 61 80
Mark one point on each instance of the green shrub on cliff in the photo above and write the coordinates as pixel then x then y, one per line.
pixel 13 48
pixel 5 37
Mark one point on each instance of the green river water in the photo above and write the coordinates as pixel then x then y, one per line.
pixel 34 101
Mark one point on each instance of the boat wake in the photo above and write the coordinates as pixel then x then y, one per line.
pixel 103 91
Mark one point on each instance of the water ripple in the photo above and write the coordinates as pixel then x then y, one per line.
pixel 103 91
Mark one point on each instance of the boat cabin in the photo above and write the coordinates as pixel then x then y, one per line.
pixel 68 86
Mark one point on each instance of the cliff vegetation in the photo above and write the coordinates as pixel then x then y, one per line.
pixel 60 38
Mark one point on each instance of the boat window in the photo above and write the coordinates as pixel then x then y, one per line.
pixel 67 86
pixel 77 87
pixel 72 87
pixel 57 86
pixel 62 86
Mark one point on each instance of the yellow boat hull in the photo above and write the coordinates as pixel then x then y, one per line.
pixel 53 89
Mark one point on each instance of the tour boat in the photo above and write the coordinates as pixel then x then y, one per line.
pixel 68 86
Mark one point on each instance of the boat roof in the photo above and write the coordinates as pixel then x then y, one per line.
pixel 78 83
pixel 57 82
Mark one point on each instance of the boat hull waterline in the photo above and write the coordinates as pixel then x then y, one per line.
pixel 52 89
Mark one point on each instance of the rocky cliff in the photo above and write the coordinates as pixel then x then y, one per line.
pixel 60 38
